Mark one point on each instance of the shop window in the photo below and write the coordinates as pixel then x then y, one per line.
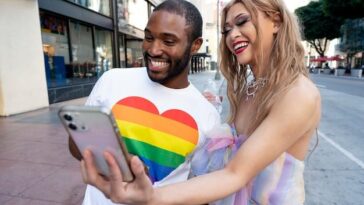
pixel 122 51
pixel 123 13
pixel 83 66
pixel 55 48
pixel 134 53
pixel 132 12
pixel 103 50
pixel 101 6
pixel 138 13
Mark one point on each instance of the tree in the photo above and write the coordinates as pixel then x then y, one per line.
pixel 318 27
pixel 352 40
pixel 344 8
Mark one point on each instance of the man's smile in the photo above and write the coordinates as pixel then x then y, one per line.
pixel 157 64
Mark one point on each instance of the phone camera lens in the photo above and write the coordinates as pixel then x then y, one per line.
pixel 72 126
pixel 67 117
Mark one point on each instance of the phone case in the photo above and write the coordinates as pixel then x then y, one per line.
pixel 93 128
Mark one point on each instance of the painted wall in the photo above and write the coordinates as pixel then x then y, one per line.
pixel 22 75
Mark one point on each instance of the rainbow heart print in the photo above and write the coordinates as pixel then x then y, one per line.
pixel 162 141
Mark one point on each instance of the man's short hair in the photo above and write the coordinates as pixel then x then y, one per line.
pixel 187 10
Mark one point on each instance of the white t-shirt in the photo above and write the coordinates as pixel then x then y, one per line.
pixel 162 126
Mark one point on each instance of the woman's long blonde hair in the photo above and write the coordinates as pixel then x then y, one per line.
pixel 285 64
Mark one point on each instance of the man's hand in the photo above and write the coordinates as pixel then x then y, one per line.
pixel 140 191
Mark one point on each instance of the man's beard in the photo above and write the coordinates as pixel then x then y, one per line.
pixel 177 66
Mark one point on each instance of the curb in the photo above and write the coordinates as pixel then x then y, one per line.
pixel 340 77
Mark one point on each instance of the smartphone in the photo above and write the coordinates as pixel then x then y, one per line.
pixel 94 128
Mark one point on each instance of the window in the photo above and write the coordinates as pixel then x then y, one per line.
pixel 103 50
pixel 134 53
pixel 122 51
pixel 101 6
pixel 138 13
pixel 123 12
pixel 83 65
pixel 55 48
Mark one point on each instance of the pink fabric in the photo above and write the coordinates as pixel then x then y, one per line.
pixel 219 143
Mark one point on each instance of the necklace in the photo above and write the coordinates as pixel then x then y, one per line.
pixel 253 86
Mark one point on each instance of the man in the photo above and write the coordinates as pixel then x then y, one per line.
pixel 161 115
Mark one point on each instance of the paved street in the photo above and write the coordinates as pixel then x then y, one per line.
pixel 36 168
pixel 335 171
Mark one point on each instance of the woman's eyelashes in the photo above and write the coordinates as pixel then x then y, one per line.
pixel 239 21
pixel 226 30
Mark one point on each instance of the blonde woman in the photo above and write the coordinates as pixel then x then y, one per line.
pixel 275 116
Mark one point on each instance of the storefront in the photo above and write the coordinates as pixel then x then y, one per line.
pixel 84 38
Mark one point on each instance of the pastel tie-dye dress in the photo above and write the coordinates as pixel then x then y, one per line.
pixel 280 183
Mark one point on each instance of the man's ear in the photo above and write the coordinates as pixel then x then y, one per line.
pixel 196 44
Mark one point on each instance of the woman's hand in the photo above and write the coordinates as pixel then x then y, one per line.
pixel 140 191
pixel 215 100
pixel 211 97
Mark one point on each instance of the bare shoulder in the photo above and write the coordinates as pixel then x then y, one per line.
pixel 297 110
pixel 301 102
pixel 302 92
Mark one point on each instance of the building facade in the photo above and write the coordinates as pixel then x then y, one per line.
pixel 352 42
pixel 82 39
pixel 55 50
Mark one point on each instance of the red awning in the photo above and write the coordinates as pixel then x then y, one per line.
pixel 335 58
pixel 320 59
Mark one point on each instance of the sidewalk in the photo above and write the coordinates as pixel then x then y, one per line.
pixel 35 165
pixel 347 77
pixel 200 79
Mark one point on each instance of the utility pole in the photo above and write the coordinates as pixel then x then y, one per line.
pixel 217 74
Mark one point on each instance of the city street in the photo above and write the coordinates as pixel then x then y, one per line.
pixel 335 171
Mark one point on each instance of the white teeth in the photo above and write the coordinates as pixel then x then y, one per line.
pixel 240 45
pixel 159 63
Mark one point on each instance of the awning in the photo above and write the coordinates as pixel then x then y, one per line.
pixel 335 58
pixel 320 59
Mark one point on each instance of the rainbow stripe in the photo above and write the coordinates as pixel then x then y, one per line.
pixel 162 141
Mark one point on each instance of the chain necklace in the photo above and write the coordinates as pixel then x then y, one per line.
pixel 253 86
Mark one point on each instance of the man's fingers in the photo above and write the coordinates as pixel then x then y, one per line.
pixel 137 166
pixel 91 171
pixel 141 178
pixel 83 171
pixel 115 173
pixel 93 177
pixel 117 186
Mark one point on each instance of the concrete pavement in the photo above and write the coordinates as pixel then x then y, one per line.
pixel 36 167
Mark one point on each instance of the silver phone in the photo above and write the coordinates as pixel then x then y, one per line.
pixel 94 128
